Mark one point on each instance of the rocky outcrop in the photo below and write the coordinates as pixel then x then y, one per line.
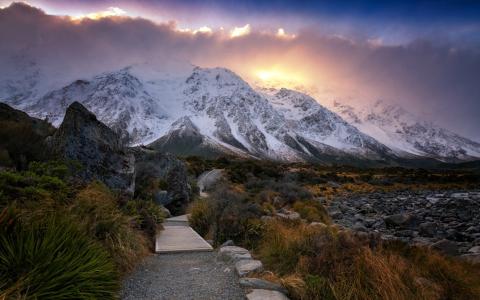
pixel 165 178
pixel 82 138
pixel 447 221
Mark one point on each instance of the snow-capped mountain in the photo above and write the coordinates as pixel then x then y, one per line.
pixel 212 111
pixel 119 99
pixel 317 124
pixel 407 134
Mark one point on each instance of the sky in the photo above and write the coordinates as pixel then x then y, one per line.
pixel 424 55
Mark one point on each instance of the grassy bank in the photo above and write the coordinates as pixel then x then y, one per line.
pixel 62 239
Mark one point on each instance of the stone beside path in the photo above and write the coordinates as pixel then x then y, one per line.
pixel 245 265
pixel 178 236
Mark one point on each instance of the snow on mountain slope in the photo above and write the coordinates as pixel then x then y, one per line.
pixel 406 134
pixel 318 124
pixel 18 81
pixel 118 99
pixel 196 110
pixel 230 111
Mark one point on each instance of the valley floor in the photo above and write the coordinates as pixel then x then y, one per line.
pixel 447 219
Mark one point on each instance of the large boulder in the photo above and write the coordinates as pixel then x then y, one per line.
pixel 81 137
pixel 162 177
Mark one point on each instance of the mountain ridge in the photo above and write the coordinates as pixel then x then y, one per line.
pixel 220 113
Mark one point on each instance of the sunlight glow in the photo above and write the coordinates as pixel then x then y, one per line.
pixel 279 77
pixel 274 74
pixel 240 31
pixel 110 12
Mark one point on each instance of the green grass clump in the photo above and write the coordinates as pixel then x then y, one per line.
pixel 52 259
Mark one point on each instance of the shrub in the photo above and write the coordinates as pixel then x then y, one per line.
pixel 227 214
pixel 201 216
pixel 52 259
pixel 96 210
pixel 28 188
pixel 312 211
pixel 147 214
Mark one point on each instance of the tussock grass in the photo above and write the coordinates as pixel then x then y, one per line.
pixel 52 259
pixel 63 240
pixel 95 209
pixel 201 216
pixel 325 263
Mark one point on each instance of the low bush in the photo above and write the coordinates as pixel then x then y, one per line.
pixel 227 214
pixel 201 216
pixel 52 259
pixel 312 211
pixel 147 214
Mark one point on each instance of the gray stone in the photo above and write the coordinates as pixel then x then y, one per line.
pixel 256 283
pixel 428 229
pixel 290 215
pixel 259 294
pixel 432 200
pixel 459 195
pixel 335 213
pixel 228 243
pixel 248 266
pixel 358 226
pixel 165 211
pixel 400 220
pixel 233 253
pixel 475 249
pixel 446 247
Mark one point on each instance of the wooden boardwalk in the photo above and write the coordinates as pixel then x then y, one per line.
pixel 178 236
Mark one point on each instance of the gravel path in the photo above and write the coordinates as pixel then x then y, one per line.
pixel 182 276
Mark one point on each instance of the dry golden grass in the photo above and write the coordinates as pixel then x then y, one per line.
pixel 95 208
pixel 324 190
pixel 324 263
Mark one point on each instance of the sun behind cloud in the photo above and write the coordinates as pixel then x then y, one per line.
pixel 110 12
pixel 278 75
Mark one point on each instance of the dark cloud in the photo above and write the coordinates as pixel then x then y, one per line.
pixel 440 79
